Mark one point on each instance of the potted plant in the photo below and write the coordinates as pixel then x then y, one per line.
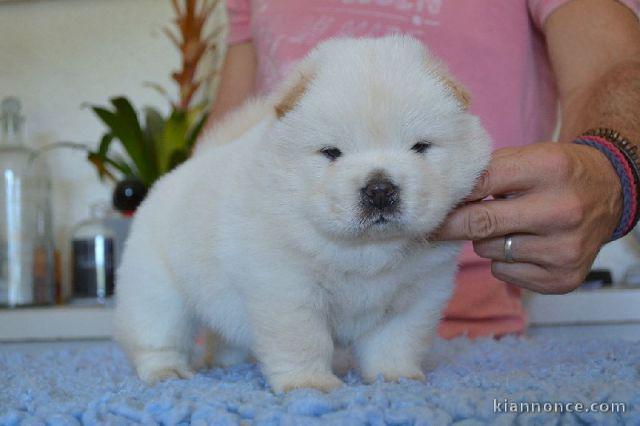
pixel 154 143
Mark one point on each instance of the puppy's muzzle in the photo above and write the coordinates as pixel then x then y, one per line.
pixel 380 195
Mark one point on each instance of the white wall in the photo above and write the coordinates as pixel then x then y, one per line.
pixel 56 55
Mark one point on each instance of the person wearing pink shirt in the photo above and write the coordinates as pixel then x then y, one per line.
pixel 518 59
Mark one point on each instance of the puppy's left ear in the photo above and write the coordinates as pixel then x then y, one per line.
pixel 290 93
pixel 458 90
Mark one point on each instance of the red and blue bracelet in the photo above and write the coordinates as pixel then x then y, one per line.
pixel 624 161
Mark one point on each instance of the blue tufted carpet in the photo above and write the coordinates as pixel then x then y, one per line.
pixel 95 385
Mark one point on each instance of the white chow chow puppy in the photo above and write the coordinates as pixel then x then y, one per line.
pixel 301 224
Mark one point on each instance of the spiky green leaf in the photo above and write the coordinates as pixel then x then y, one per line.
pixel 105 143
pixel 195 130
pixel 154 126
pixel 178 157
pixel 173 138
pixel 127 130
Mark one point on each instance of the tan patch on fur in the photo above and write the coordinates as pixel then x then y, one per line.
pixel 457 89
pixel 461 94
pixel 395 375
pixel 292 97
pixel 325 384
pixel 170 373
pixel 419 376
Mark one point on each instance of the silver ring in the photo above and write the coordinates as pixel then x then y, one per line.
pixel 508 243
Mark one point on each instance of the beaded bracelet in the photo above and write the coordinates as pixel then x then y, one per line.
pixel 629 150
pixel 627 171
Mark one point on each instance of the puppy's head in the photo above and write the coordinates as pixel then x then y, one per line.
pixel 375 139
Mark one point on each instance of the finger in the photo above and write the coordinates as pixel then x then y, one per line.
pixel 494 218
pixel 513 170
pixel 525 275
pixel 535 278
pixel 506 173
pixel 524 248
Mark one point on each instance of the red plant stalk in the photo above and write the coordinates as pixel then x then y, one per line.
pixel 192 43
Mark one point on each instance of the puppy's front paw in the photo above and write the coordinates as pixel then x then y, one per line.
pixel 392 362
pixel 324 382
pixel 155 375
pixel 156 366
pixel 393 373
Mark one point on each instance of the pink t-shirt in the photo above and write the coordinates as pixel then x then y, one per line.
pixel 495 48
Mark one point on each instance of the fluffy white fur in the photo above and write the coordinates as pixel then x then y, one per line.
pixel 261 237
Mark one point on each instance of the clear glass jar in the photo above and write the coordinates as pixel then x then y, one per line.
pixel 26 241
pixel 93 258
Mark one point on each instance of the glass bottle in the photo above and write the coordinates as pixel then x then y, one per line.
pixel 93 258
pixel 26 241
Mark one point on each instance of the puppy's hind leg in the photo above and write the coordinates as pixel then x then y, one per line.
pixel 151 321
pixel 219 353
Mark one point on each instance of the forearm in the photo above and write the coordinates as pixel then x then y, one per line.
pixel 236 80
pixel 611 101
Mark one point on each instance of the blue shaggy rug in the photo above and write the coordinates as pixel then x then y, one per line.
pixel 468 383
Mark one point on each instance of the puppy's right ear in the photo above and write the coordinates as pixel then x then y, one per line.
pixel 294 88
pixel 291 97
pixel 459 91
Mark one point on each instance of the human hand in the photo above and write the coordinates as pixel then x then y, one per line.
pixel 560 202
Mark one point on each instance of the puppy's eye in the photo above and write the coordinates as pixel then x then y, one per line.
pixel 331 152
pixel 421 147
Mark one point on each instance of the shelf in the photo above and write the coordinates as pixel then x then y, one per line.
pixel 606 306
pixel 56 322
pixel 587 307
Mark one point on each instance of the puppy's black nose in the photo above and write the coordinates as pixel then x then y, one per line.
pixel 380 193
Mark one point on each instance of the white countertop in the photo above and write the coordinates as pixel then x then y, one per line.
pixel 610 312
